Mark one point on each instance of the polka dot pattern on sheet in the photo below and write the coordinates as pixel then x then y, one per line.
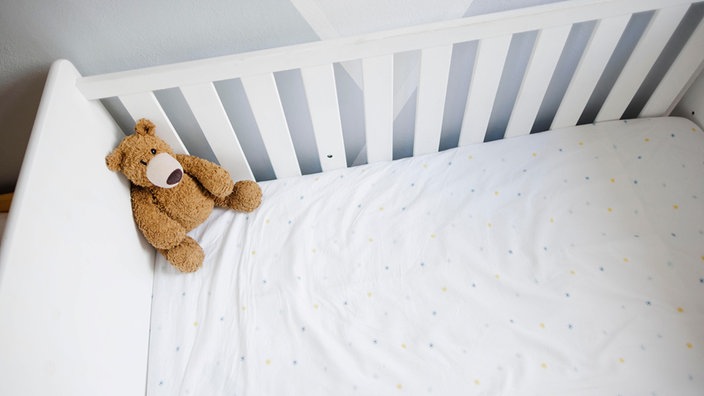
pixel 546 264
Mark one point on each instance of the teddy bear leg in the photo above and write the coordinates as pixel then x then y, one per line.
pixel 245 197
pixel 187 256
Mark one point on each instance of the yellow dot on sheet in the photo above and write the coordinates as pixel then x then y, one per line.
pixel 477 382
pixel 613 180
pixel 195 324
pixel 689 345
pixel 314 250
pixel 535 154
pixel 581 143
pixel 399 386
pixel 675 206
pixel 268 362
pixel 680 309
pixel 371 239
pixel 646 140
pixel 444 289
pixel 433 235
pixel 544 365
pixel 496 193
pixel 254 252
pixel 369 294
pixel 491 225
pixel 552 220
pixel 621 360
pixel 573 272
pixel 610 210
pixel 316 306
pixel 498 276
pixel 267 221
pixel 542 325
pixel 381 209
pixel 470 157
pixel 403 346
pixel 625 259
pixel 425 166
pixel 244 308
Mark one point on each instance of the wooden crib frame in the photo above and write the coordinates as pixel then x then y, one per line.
pixel 75 274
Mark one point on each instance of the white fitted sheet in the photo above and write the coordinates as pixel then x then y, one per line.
pixel 568 262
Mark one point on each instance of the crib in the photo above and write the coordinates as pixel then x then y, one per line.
pixel 438 244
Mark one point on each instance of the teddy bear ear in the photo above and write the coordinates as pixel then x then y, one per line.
pixel 145 127
pixel 114 160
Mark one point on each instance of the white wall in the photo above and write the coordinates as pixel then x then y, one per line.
pixel 101 36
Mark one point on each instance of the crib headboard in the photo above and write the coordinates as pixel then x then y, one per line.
pixel 638 58
pixel 75 275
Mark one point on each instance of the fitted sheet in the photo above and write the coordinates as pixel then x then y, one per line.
pixel 567 262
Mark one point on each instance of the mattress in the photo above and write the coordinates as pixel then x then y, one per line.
pixel 565 262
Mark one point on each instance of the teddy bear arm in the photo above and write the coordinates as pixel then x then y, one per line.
pixel 211 176
pixel 158 228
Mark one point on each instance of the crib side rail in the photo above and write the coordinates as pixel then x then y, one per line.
pixel 436 44
pixel 75 275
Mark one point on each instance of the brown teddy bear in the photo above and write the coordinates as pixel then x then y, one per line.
pixel 174 193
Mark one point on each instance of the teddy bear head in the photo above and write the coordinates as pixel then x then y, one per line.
pixel 145 159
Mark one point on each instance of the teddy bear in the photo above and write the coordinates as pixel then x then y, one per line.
pixel 174 193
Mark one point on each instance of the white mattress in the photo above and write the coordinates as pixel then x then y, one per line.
pixel 569 262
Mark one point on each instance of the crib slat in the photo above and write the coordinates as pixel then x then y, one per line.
pixel 597 53
pixel 651 44
pixel 208 110
pixel 378 75
pixel 321 93
pixel 430 102
pixel 489 65
pixel 546 53
pixel 677 79
pixel 269 114
pixel 145 105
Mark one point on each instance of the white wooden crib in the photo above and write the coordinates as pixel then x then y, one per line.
pixel 77 279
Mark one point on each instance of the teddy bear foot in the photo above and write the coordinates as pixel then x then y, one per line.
pixel 187 256
pixel 245 197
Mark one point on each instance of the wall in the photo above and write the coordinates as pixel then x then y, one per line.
pixel 101 36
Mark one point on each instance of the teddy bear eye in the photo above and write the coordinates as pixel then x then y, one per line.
pixel 153 151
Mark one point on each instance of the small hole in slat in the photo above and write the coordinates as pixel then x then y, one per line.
pixel 329 155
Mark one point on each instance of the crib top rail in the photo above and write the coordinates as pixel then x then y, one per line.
pixel 662 41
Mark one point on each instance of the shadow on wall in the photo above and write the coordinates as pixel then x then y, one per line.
pixel 18 106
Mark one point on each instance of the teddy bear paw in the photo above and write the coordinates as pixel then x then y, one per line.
pixel 187 256
pixel 246 196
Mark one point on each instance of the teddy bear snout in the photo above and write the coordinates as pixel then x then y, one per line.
pixel 164 171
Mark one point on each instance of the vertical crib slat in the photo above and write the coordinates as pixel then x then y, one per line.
pixel 645 54
pixel 602 43
pixel 546 53
pixel 676 80
pixel 321 93
pixel 489 65
pixel 430 102
pixel 145 105
pixel 269 114
pixel 208 110
pixel 378 76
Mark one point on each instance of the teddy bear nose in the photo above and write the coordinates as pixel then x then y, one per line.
pixel 174 177
pixel 164 171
